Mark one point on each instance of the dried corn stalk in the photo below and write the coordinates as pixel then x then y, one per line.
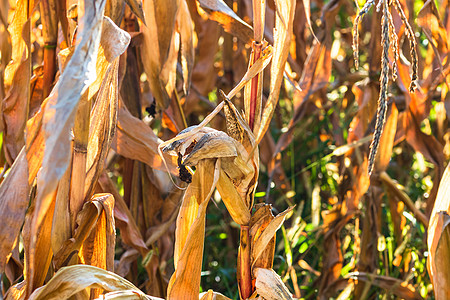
pixel 231 160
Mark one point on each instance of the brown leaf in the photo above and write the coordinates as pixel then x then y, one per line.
pixel 135 140
pixel 387 140
pixel 270 286
pixel 211 295
pixel 14 192
pixel 17 79
pixel 219 11
pixel 267 235
pixel 259 222
pixel 160 17
pixel 190 232
pixel 70 280
pixel 60 110
pixel 98 249
pixel 282 40
pixel 94 222
pixel 126 295
pixel 103 120
pixel 186 30
pixel 438 239
pixel 232 200
pixel 37 247
pixel 123 218
pixel 136 8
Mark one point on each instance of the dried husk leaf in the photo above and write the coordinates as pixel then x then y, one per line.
pixel 211 295
pixel 438 239
pixel 216 144
pixel 248 160
pixel 70 280
pixel 232 200
pixel 267 235
pixel 270 286
pixel 259 222
pixel 190 232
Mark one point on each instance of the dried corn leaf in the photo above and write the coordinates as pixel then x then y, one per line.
pixel 126 295
pixel 270 286
pixel 124 220
pixel 219 11
pixel 190 232
pixel 259 222
pixel 60 110
pixel 135 140
pixel 16 292
pixel 387 140
pixel 87 219
pixel 14 189
pixel 430 22
pixel 62 223
pixel 157 36
pixel 215 144
pixel 186 30
pixel 438 239
pixel 136 8
pixel 14 192
pixel 37 247
pixel 267 235
pixel 232 200
pixel 98 249
pixel 156 233
pixel 282 40
pixel 70 280
pixel 168 73
pixel 17 80
pixel 104 113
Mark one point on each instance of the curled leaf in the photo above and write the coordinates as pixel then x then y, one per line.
pixel 270 286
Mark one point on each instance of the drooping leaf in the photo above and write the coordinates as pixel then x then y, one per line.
pixel 70 280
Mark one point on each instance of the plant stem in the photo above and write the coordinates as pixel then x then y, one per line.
pixel 245 275
pixel 257 48
pixel 80 144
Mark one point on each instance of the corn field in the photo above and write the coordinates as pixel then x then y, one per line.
pixel 224 149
